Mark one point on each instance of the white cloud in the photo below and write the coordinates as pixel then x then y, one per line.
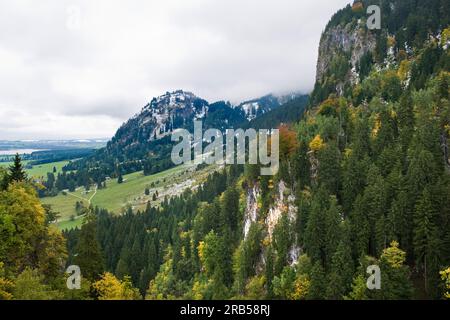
pixel 79 76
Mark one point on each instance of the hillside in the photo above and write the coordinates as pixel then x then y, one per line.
pixel 143 142
pixel 363 180
pixel 136 192
pixel 363 184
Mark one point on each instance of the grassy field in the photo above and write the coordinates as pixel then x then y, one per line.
pixel 41 170
pixel 70 224
pixel 9 163
pixel 131 193
pixel 64 204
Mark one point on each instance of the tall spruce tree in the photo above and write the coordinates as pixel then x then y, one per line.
pixel 16 171
pixel 426 238
pixel 342 267
pixel 395 274
pixel 88 252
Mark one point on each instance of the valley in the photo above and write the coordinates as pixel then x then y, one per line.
pixel 360 183
pixel 131 193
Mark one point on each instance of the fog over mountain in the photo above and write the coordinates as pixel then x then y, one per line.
pixel 78 69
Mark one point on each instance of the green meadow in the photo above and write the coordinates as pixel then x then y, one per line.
pixel 131 193
pixel 115 197
pixel 41 170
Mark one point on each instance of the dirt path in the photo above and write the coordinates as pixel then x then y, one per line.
pixel 95 192
pixel 84 199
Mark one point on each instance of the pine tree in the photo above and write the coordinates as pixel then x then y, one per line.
pixel 317 289
pixel 300 166
pixel 333 221
pixel 359 289
pixel 269 272
pixel 88 253
pixel 329 168
pixel 405 116
pixel 136 258
pixel 283 285
pixel 426 239
pixel 395 274
pixel 230 210
pixel 399 216
pixel 354 179
pixel 282 241
pixel 360 228
pixel 316 229
pixel 341 271
pixel 16 171
pixel 239 270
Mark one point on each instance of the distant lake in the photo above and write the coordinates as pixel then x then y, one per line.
pixel 19 151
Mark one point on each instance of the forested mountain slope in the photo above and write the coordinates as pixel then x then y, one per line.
pixel 363 180
pixel 144 141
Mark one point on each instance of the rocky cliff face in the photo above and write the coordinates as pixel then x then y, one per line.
pixel 284 203
pixel 342 47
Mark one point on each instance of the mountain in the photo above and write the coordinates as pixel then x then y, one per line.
pixel 349 51
pixel 362 195
pixel 159 117
pixel 143 142
pixel 257 107
pixel 363 181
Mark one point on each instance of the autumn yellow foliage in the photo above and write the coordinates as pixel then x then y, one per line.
pixel 391 41
pixel 357 7
pixel 201 251
pixel 394 256
pixel 403 70
pixel 317 143
pixel 288 141
pixel 376 126
pixel 445 37
pixel 445 276
pixel 6 286
pixel 111 288
pixel 301 288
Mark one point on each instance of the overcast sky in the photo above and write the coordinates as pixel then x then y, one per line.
pixel 78 69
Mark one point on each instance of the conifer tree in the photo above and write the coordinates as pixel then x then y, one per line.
pixel 426 238
pixel 341 271
pixel 269 272
pixel 318 285
pixel 333 235
pixel 88 253
pixel 316 229
pixel 405 116
pixel 395 274
pixel 16 171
